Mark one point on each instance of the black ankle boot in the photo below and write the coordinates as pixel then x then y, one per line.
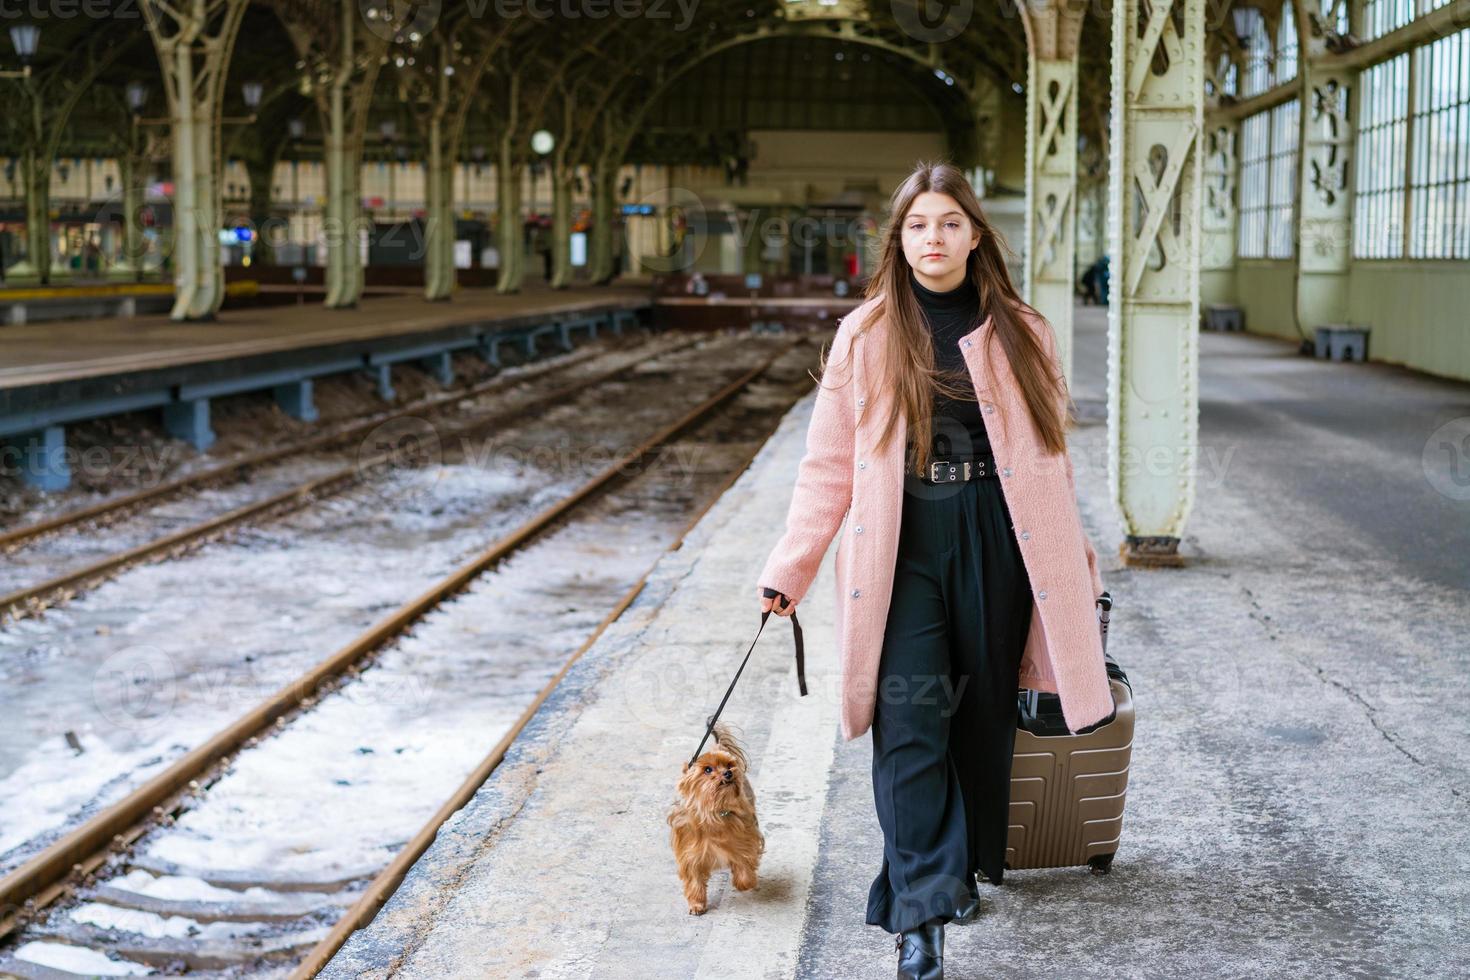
pixel 921 952
pixel 968 909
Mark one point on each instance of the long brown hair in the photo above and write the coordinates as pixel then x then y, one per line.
pixel 909 353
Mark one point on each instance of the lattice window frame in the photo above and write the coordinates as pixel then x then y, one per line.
pixel 1287 47
pixel 1270 161
pixel 1253 186
pixel 1380 173
pixel 1285 174
pixel 1439 149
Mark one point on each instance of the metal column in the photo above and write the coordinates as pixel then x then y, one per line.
pixel 1154 243
pixel 1324 195
pixel 194 40
pixel 1219 216
pixel 1052 31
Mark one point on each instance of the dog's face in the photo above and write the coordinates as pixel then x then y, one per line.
pixel 713 778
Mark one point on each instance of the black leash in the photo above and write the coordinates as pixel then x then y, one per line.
pixel 800 670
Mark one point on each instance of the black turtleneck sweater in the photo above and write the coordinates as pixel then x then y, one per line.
pixel 959 431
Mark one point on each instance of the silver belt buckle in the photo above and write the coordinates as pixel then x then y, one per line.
pixel 934 476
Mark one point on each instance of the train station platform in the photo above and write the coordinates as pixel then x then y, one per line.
pixel 58 373
pixel 75 350
pixel 1297 803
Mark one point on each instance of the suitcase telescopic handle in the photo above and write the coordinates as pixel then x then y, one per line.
pixel 1031 699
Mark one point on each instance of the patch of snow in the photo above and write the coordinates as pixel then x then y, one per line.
pixel 76 959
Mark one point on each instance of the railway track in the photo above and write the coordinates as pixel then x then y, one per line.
pixel 263 919
pixel 106 511
pixel 237 468
pixel 221 628
pixel 31 599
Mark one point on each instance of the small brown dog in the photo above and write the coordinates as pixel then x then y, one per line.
pixel 713 823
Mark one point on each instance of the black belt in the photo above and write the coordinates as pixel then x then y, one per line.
pixel 959 470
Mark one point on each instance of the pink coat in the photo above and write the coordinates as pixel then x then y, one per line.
pixel 843 475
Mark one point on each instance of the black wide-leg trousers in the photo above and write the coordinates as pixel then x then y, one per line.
pixel 944 722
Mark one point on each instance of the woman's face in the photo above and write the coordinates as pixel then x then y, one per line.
pixel 937 240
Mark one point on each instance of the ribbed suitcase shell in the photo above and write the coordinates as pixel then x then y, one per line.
pixel 1067 793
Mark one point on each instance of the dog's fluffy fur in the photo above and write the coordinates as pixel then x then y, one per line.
pixel 713 822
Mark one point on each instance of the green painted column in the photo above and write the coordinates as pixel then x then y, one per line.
pixel 346 62
pixel 450 277
pixel 509 169
pixel 443 138
pixel 186 255
pixel 985 110
pixel 508 174
pixel 1324 197
pixel 438 217
pixel 1052 32
pixel 563 174
pixel 133 175
pixel 209 292
pixel 35 178
pixel 1219 215
pixel 562 180
pixel 1051 195
pixel 334 209
pixel 194 43
pixel 1153 337
pixel 356 222
pixel 604 215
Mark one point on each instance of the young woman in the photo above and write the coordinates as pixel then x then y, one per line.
pixel 963 572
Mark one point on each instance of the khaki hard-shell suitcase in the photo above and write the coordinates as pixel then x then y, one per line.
pixel 1067 790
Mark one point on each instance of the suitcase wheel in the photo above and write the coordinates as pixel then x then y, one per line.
pixel 1100 863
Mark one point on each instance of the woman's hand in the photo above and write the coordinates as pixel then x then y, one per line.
pixel 769 603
